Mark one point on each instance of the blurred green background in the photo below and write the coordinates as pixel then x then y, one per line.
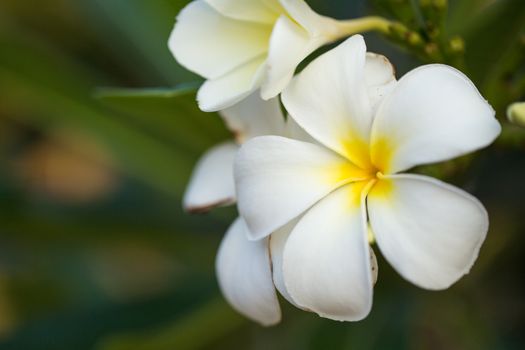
pixel 95 251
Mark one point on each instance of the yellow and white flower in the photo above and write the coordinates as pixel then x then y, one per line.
pixel 243 266
pixel 351 179
pixel 240 46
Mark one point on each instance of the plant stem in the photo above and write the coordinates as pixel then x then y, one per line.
pixel 361 25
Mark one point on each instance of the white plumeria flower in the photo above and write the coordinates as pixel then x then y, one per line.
pixel 429 231
pixel 240 46
pixel 243 266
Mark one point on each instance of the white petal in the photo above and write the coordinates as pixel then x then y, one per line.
pixel 300 12
pixel 245 277
pixel 380 77
pixel 329 99
pixel 434 113
pixel 212 45
pixel 429 231
pixel 254 117
pixel 326 261
pixel 274 5
pixel 278 178
pixel 231 88
pixel 289 45
pixel 211 183
pixel 378 70
pixel 277 242
pixel 294 131
pixel 246 10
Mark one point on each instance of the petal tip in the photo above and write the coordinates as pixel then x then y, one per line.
pixel 203 208
pixel 271 322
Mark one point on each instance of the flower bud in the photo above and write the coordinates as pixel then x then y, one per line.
pixel 516 113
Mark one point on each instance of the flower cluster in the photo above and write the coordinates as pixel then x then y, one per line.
pixel 317 188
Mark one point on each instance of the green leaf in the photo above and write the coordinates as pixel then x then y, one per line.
pixel 180 90
pixel 170 113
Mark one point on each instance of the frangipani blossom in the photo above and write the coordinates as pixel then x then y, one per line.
pixel 351 180
pixel 240 46
pixel 243 266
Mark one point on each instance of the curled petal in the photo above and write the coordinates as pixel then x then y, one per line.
pixel 211 183
pixel 247 10
pixel 429 231
pixel 289 45
pixel 312 22
pixel 245 277
pixel 201 33
pixel 224 92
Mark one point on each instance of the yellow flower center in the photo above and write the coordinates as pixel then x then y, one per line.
pixel 367 166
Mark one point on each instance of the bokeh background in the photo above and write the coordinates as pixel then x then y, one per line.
pixel 95 251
